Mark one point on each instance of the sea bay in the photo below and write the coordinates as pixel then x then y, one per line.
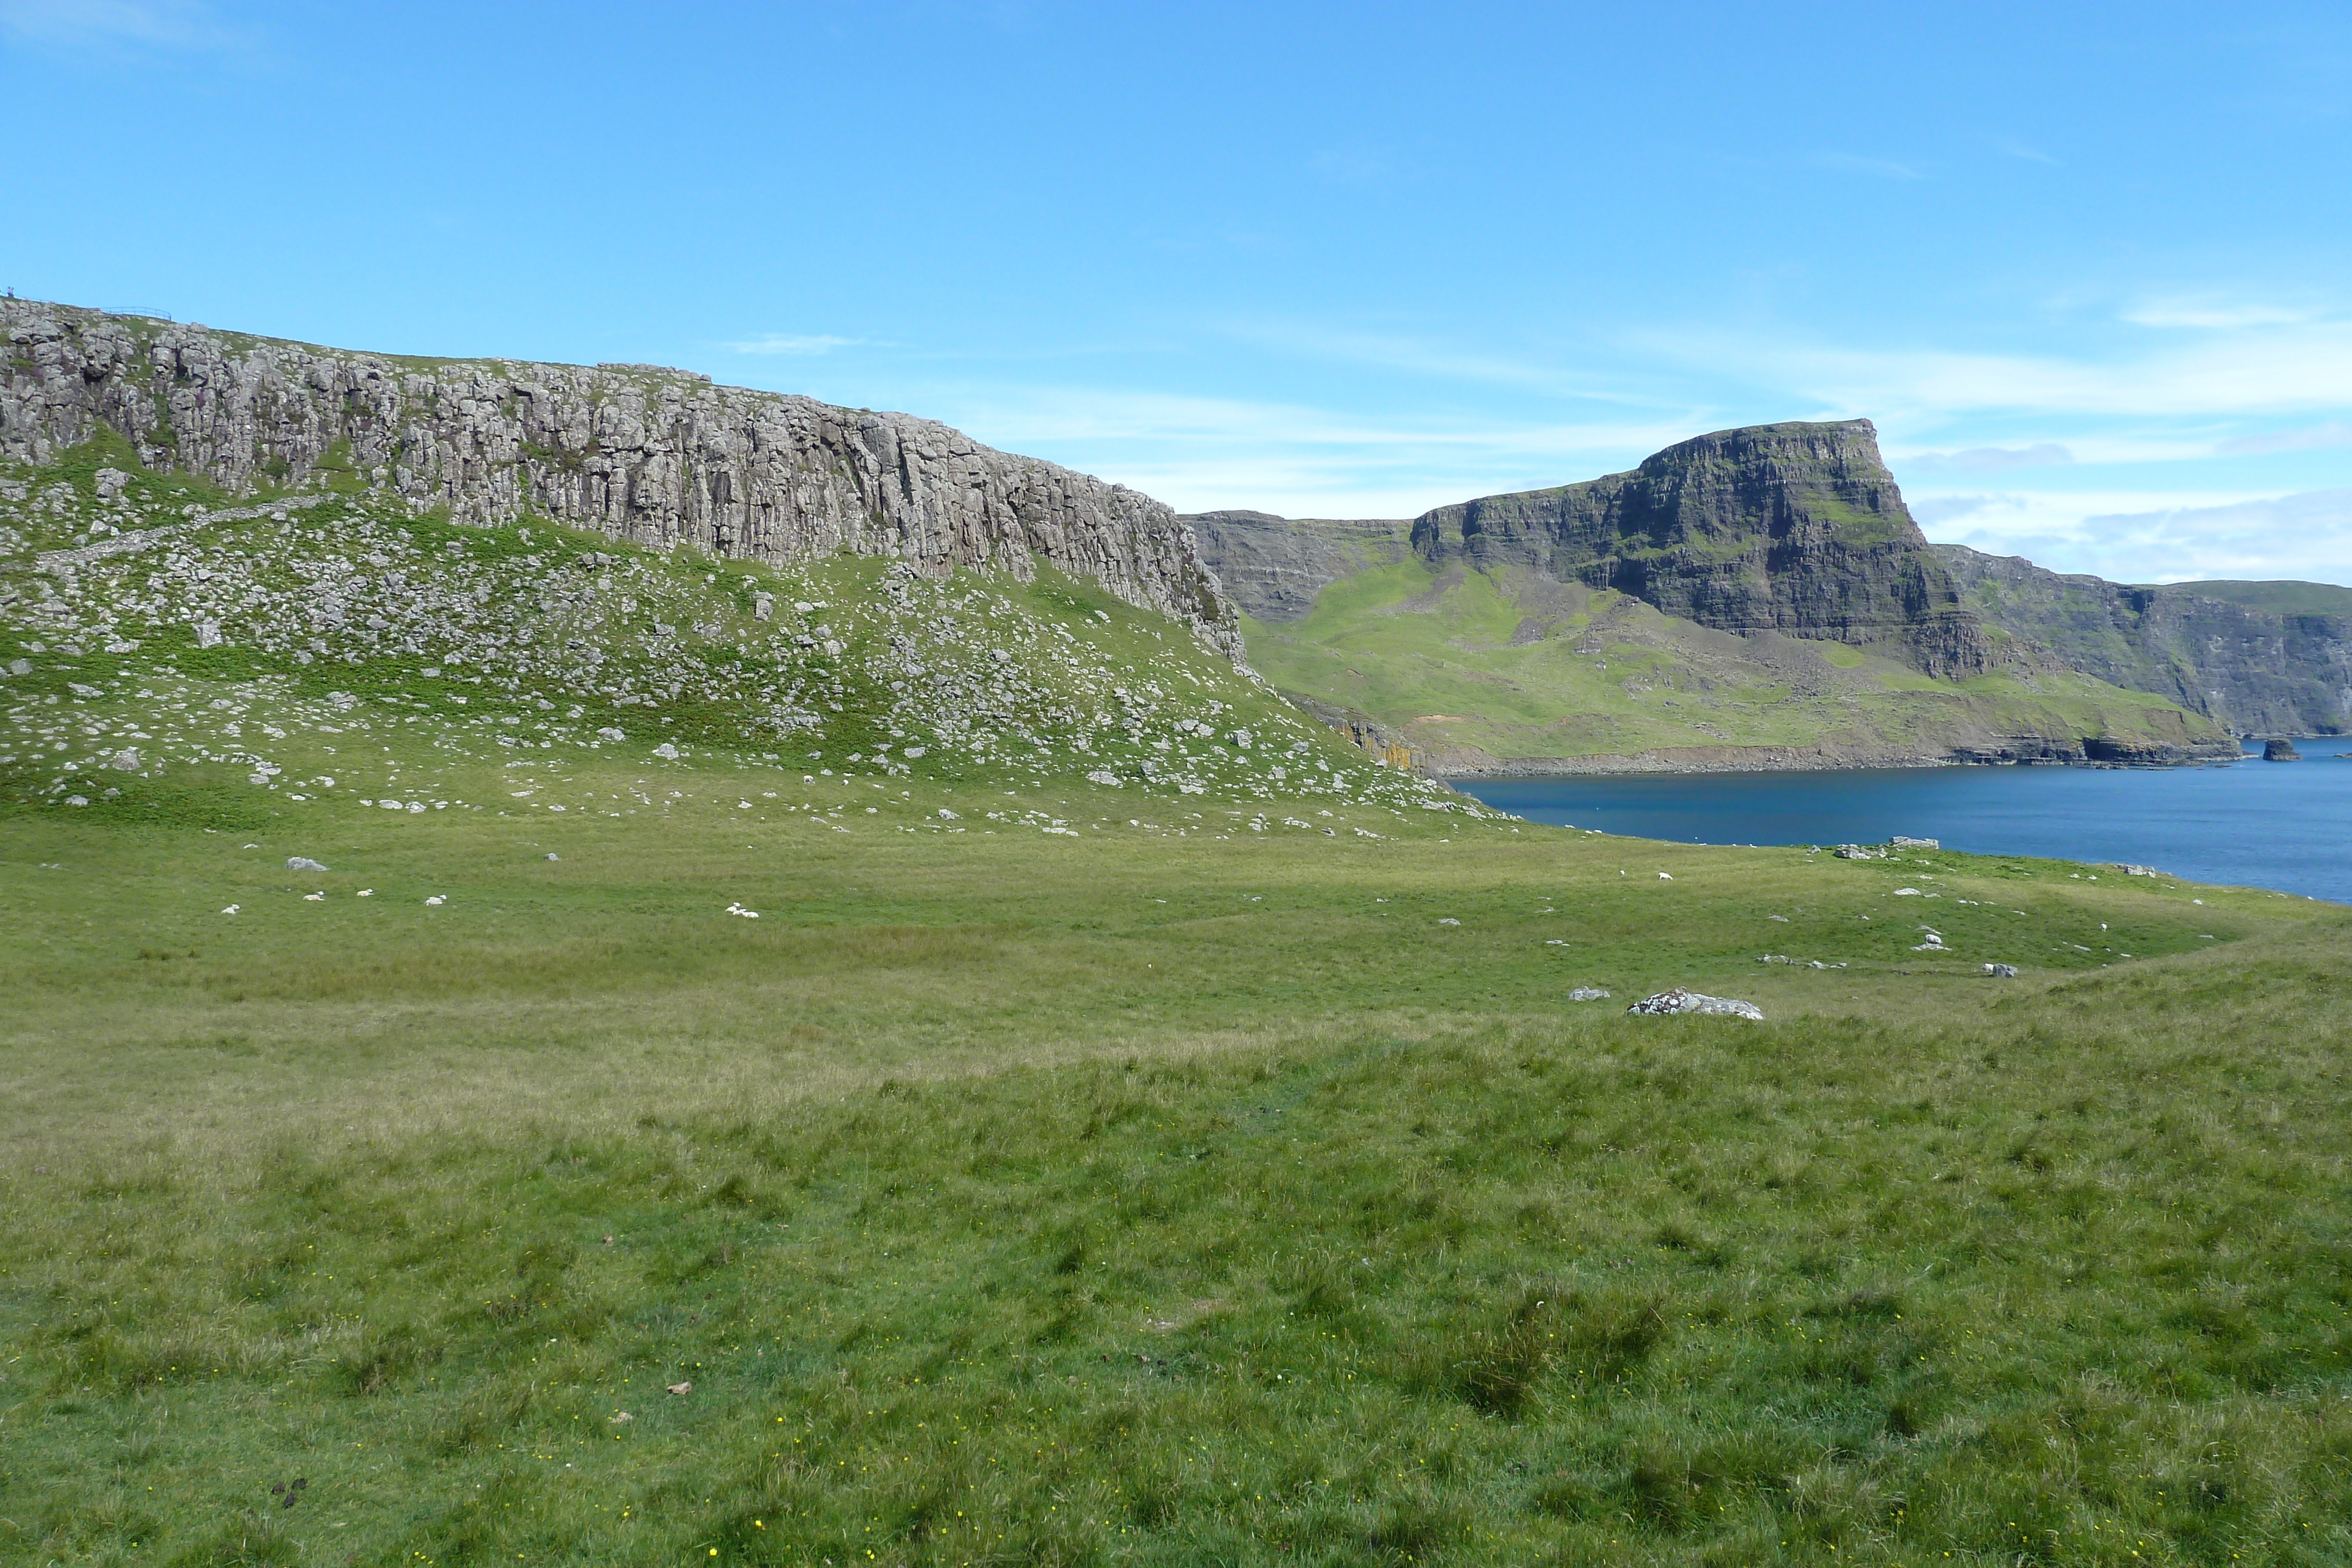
pixel 2282 825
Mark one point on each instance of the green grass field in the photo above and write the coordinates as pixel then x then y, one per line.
pixel 816 1065
pixel 1502 667
pixel 1171 1193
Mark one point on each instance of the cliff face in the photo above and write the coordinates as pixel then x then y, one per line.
pixel 652 456
pixel 1274 567
pixel 2252 669
pixel 1797 528
pixel 1673 617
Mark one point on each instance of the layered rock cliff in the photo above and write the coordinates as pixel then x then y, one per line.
pixel 2249 667
pixel 1755 598
pixel 639 453
pixel 1274 567
pixel 1795 527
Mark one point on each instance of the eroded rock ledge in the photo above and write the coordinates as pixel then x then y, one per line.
pixel 653 455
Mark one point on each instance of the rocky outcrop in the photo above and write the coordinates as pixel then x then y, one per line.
pixel 2255 670
pixel 1274 567
pixel 1364 732
pixel 658 456
pixel 1679 1000
pixel 2097 751
pixel 1797 528
pixel 2020 751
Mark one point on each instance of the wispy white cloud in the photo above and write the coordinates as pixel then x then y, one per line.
pixel 792 343
pixel 1087 413
pixel 2212 315
pixel 2255 370
pixel 1884 167
pixel 2069 457
pixel 150 24
pixel 2153 537
pixel 2016 149
pixel 1988 459
pixel 1201 453
pixel 1421 355
pixel 2309 438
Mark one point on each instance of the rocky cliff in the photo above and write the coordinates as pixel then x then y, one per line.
pixel 1797 529
pixel 638 452
pixel 1274 567
pixel 1755 598
pixel 2217 649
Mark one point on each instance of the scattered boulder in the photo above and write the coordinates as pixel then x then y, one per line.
pixel 2001 971
pixel 1859 852
pixel 303 863
pixel 1679 1000
pixel 1900 842
pixel 1588 994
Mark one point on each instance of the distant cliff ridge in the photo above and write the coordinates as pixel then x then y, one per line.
pixel 1274 567
pixel 2258 658
pixel 1797 529
pixel 1749 599
pixel 639 453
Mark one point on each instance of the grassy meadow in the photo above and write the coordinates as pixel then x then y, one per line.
pixel 1160 1189
pixel 815 1065
pixel 1503 665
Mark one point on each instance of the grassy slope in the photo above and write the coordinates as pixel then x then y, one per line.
pixel 1178 1186
pixel 1599 674
pixel 2278 598
pixel 538 639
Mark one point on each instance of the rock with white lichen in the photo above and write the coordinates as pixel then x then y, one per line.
pixel 1682 1001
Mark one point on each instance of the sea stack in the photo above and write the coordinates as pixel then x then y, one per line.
pixel 2281 750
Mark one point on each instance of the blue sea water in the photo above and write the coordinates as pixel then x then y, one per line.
pixel 2284 825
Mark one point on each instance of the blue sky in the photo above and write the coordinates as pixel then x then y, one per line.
pixel 2085 266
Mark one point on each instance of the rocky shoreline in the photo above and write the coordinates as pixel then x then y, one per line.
pixel 2089 752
